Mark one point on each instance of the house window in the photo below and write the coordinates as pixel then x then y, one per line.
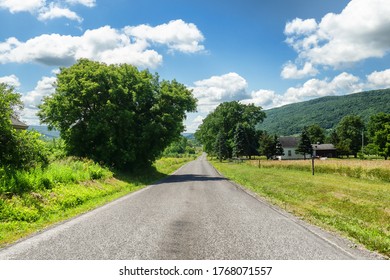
pixel 289 153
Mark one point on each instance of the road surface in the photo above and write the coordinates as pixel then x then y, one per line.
pixel 193 214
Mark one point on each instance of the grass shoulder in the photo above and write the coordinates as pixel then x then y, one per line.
pixel 356 208
pixel 34 200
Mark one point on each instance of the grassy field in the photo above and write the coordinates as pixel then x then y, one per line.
pixel 357 208
pixel 34 200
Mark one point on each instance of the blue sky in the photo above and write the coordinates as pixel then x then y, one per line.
pixel 270 53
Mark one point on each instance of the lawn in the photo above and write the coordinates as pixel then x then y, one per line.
pixel 357 208
pixel 34 200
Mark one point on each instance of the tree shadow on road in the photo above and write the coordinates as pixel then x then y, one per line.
pixel 190 178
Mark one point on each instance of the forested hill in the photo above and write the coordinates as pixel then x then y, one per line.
pixel 325 111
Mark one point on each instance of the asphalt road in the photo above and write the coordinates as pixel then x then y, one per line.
pixel 193 214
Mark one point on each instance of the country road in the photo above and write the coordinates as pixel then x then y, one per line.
pixel 193 214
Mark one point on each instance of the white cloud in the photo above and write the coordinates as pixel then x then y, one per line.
pixel 87 3
pixel 291 71
pixel 46 10
pixel 176 34
pixel 11 80
pixel 54 11
pixel 16 6
pixel 104 44
pixel 44 87
pixel 314 88
pixel 264 98
pixel 217 89
pixel 359 32
pixel 380 79
pixel 299 26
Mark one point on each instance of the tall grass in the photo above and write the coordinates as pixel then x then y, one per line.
pixel 66 171
pixel 365 169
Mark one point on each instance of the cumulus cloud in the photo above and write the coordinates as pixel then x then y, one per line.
pixel 264 98
pixel 54 11
pixel 44 87
pixel 379 79
pixel 291 71
pixel 46 10
pixel 104 44
pixel 11 80
pixel 359 32
pixel 177 35
pixel 314 88
pixel 16 6
pixel 217 89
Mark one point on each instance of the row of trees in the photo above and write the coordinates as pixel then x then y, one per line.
pixel 112 114
pixel 351 136
pixel 230 131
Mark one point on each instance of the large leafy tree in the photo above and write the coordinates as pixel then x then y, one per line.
pixel 349 131
pixel 379 133
pixel 116 114
pixel 225 118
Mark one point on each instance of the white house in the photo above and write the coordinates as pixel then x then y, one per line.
pixel 290 144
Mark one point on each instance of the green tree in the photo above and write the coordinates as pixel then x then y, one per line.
pixel 267 145
pixel 220 146
pixel 379 134
pixel 304 145
pixel 18 149
pixel 116 114
pixel 316 134
pixel 351 128
pixel 226 117
pixel 279 151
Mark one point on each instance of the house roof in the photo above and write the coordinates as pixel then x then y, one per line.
pixel 323 147
pixel 18 124
pixel 289 142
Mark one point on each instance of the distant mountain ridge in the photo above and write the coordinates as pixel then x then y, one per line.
pixel 45 131
pixel 326 111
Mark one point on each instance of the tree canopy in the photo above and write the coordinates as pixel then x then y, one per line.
pixel 116 114
pixel 233 123
pixel 349 131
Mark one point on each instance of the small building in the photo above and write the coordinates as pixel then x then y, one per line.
pixel 289 145
pixel 324 150
pixel 17 124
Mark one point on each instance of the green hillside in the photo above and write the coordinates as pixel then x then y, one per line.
pixel 325 111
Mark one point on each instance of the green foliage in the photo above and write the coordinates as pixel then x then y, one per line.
pixel 316 134
pixel 326 111
pixel 180 147
pixel 116 114
pixel 64 171
pixel 267 145
pixel 224 119
pixel 379 133
pixel 220 146
pixel 18 149
pixel 304 145
pixel 349 131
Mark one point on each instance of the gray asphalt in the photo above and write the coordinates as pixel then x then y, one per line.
pixel 193 214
